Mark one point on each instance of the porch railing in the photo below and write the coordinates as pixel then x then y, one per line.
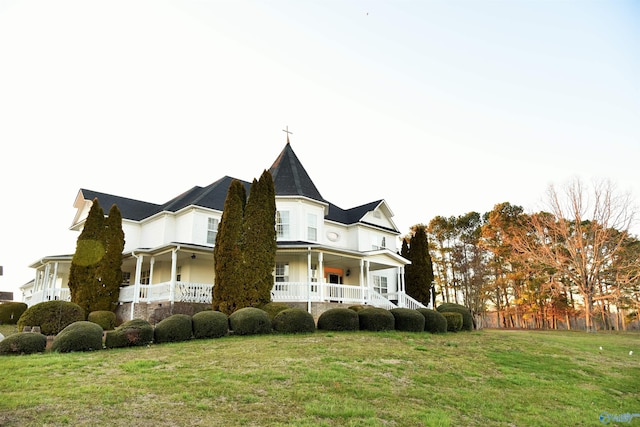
pixel 52 294
pixel 405 300
pixel 281 292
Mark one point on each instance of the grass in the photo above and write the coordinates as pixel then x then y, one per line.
pixel 485 378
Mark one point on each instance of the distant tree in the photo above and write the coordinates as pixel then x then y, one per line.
pixel 227 253
pixel 259 241
pixel 581 237
pixel 84 274
pixel 110 273
pixel 419 274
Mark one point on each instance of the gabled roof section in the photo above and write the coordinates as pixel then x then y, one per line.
pixel 135 210
pixel 290 178
pixel 212 196
pixel 357 214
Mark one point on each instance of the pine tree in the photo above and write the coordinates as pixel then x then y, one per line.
pixel 85 265
pixel 418 274
pixel 259 241
pixel 111 265
pixel 227 253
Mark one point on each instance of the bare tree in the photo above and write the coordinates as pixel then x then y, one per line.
pixel 581 235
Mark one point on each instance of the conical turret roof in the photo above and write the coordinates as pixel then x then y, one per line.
pixel 290 178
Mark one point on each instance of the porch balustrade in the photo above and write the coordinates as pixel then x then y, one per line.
pixel 281 292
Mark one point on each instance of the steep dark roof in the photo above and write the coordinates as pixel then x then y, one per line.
pixel 290 178
pixel 129 208
pixel 211 196
pixel 350 216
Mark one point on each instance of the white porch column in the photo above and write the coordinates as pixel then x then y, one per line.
pixel 136 282
pixel 362 282
pixel 309 279
pixel 45 282
pixel 172 286
pixel 321 275
pixel 55 278
pixel 368 275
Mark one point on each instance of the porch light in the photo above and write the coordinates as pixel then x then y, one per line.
pixel 193 256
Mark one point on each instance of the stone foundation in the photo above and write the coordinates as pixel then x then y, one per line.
pixel 156 311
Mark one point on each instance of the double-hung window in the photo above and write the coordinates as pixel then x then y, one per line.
pixel 312 227
pixel 283 224
pixel 380 284
pixel 281 276
pixel 212 230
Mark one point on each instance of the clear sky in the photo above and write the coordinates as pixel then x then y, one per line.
pixel 438 107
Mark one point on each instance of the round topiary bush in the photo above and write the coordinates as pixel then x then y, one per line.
pixel 294 321
pixel 454 321
pixel 23 343
pixel 78 336
pixel 358 307
pixel 249 321
pixel 106 319
pixel 339 319
pixel 408 320
pixel 210 324
pixel 10 312
pixel 435 322
pixel 135 332
pixel 51 316
pixel 467 318
pixel 177 327
pixel 273 308
pixel 376 319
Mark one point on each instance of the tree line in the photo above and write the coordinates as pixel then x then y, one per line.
pixel 573 265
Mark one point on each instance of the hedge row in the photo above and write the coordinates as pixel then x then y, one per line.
pixel 83 335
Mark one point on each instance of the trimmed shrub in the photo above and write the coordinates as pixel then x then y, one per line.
pixel 294 321
pixel 23 343
pixel 250 321
pixel 177 327
pixel 273 308
pixel 467 318
pixel 78 336
pixel 454 321
pixel 51 316
pixel 358 307
pixel 106 319
pixel 408 320
pixel 135 332
pixel 339 319
pixel 10 312
pixel 210 324
pixel 376 319
pixel 435 322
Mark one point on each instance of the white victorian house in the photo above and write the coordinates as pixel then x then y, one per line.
pixel 326 255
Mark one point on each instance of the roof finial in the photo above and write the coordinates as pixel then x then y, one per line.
pixel 287 132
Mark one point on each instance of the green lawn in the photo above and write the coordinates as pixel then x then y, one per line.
pixel 486 378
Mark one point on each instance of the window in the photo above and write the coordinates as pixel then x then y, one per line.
pixel 312 227
pixel 145 277
pixel 378 242
pixel 212 230
pixel 380 284
pixel 282 224
pixel 178 273
pixel 126 277
pixel 314 277
pixel 281 275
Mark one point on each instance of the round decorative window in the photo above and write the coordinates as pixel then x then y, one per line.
pixel 333 236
